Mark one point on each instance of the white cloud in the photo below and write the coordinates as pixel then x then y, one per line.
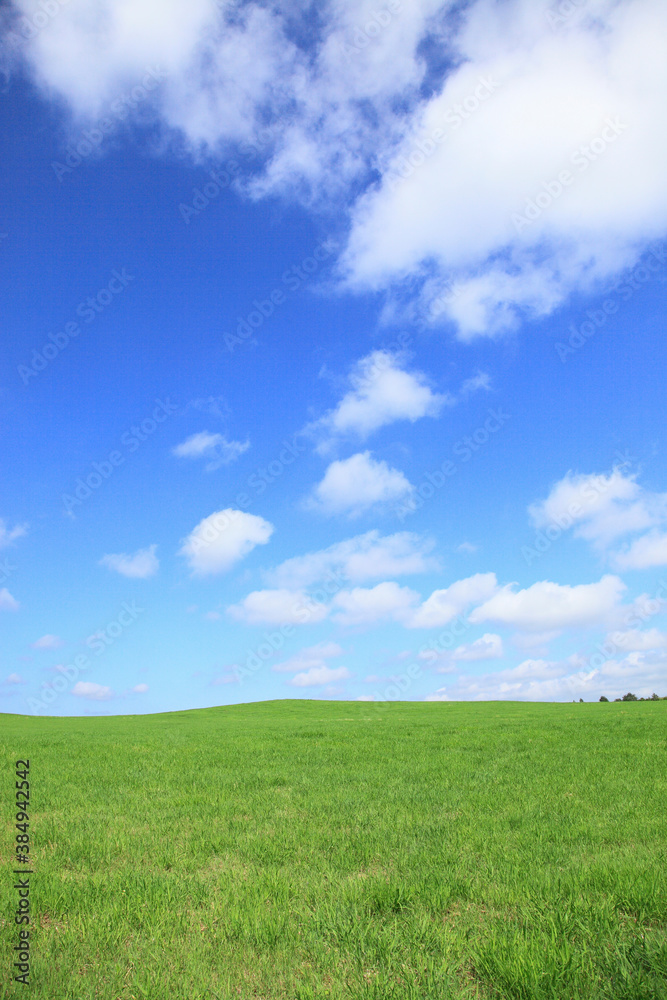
pixel 7 602
pixel 444 605
pixel 140 689
pixel 602 507
pixel 354 485
pixel 364 557
pixel 634 640
pixel 309 658
pixel 519 99
pixel 96 692
pixel 548 93
pixel 488 647
pixel 644 552
pixel 467 547
pixel 439 695
pixel 367 606
pixel 565 680
pixel 14 679
pixel 140 565
pixel 48 642
pixel 549 606
pixel 278 607
pixel 381 393
pixel 215 447
pixel 316 676
pixel 222 539
pixel 8 536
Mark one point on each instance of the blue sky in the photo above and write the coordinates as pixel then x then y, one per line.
pixel 333 354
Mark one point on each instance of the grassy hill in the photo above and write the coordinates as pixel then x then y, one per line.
pixel 302 850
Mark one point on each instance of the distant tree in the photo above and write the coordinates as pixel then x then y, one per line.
pixel 602 698
pixel 654 697
pixel 580 700
pixel 618 699
pixel 629 697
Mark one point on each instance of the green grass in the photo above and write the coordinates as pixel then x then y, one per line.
pixel 310 850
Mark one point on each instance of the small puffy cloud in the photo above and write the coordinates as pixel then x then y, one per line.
pixel 444 605
pixel 15 679
pixel 140 565
pixel 466 547
pixel 95 692
pixel 316 676
pixel 475 384
pixel 7 602
pixel 307 659
pixel 7 535
pixel 277 607
pixel 643 553
pixel 365 697
pixel 140 689
pixel 364 557
pixel 439 695
pixel 367 606
pixel 48 642
pixel 549 606
pixel 601 508
pixel 488 647
pixel 222 539
pixel 381 393
pixel 215 447
pixel 354 485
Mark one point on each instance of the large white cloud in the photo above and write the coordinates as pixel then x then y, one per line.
pixel 545 605
pixel 353 485
pixel 525 104
pixel 222 539
pixel 364 557
pixel 513 100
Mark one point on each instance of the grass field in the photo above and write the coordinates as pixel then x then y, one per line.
pixel 302 849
